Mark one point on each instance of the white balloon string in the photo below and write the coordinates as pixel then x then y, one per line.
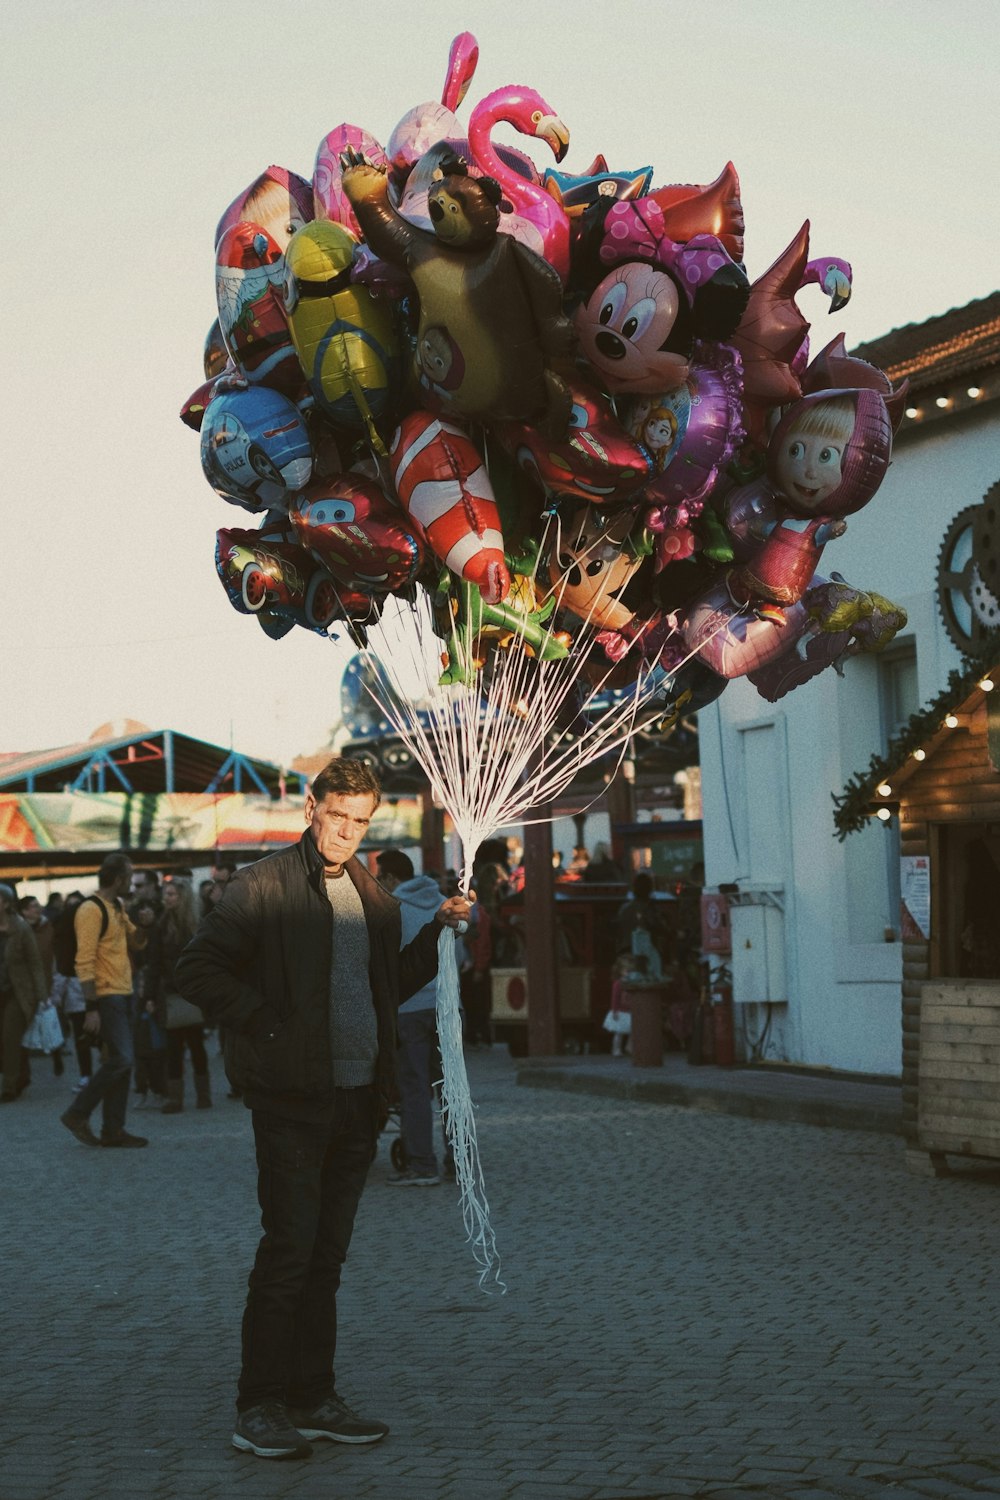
pixel 490 746
pixel 459 1115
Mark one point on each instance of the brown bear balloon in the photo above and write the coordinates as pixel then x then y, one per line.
pixel 491 318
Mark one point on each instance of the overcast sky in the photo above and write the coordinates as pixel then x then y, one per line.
pixel 128 126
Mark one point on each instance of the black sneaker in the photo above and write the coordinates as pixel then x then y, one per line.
pixel 334 1419
pixel 410 1177
pixel 124 1139
pixel 80 1128
pixel 267 1431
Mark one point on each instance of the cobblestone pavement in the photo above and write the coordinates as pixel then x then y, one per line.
pixel 698 1305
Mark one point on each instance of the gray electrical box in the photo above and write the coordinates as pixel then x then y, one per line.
pixel 757 920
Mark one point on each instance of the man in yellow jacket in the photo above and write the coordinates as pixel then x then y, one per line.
pixel 104 936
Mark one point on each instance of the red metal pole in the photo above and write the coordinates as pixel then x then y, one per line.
pixel 431 834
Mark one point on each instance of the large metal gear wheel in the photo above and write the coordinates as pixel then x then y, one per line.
pixel 986 553
pixel 968 572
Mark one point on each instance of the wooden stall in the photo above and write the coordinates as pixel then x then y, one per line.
pixel 947 796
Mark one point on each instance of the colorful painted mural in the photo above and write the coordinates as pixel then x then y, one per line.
pixel 77 822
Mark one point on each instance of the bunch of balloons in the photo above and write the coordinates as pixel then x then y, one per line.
pixel 555 402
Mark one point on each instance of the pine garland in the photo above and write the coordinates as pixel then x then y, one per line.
pixel 854 802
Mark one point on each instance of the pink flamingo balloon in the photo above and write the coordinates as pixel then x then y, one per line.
pixel 537 220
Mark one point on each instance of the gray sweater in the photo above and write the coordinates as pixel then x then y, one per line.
pixel 353 1026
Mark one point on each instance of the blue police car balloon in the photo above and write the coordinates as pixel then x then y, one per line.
pixel 255 449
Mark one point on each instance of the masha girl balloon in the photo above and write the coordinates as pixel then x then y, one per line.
pixel 826 459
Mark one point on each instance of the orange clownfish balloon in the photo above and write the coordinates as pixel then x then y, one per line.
pixel 443 486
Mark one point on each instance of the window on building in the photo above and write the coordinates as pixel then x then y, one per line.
pixel 877 696
pixel 897 677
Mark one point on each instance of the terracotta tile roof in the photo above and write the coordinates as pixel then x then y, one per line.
pixel 956 343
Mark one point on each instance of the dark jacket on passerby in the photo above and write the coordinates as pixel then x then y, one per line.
pixel 636 912
pixel 146 966
pixel 259 965
pixel 25 974
pixel 45 938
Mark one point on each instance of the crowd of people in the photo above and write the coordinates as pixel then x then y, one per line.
pixel 38 964
pixel 39 975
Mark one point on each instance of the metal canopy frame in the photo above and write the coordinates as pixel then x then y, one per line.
pixel 161 760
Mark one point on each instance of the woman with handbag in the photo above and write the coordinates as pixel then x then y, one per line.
pixel 185 1024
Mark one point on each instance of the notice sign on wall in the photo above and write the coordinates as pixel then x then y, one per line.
pixel 915 897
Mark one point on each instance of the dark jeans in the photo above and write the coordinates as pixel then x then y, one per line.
pixel 477 1002
pixel 81 1041
pixel 416 1066
pixel 192 1037
pixel 309 1183
pixel 14 1057
pixel 109 1085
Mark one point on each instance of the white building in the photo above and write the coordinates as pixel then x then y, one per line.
pixel 816 958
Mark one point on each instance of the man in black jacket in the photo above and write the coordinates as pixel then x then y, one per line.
pixel 300 962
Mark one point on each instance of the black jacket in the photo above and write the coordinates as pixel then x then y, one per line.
pixel 259 965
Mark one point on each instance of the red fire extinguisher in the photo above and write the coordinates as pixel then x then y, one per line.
pixel 722 1018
